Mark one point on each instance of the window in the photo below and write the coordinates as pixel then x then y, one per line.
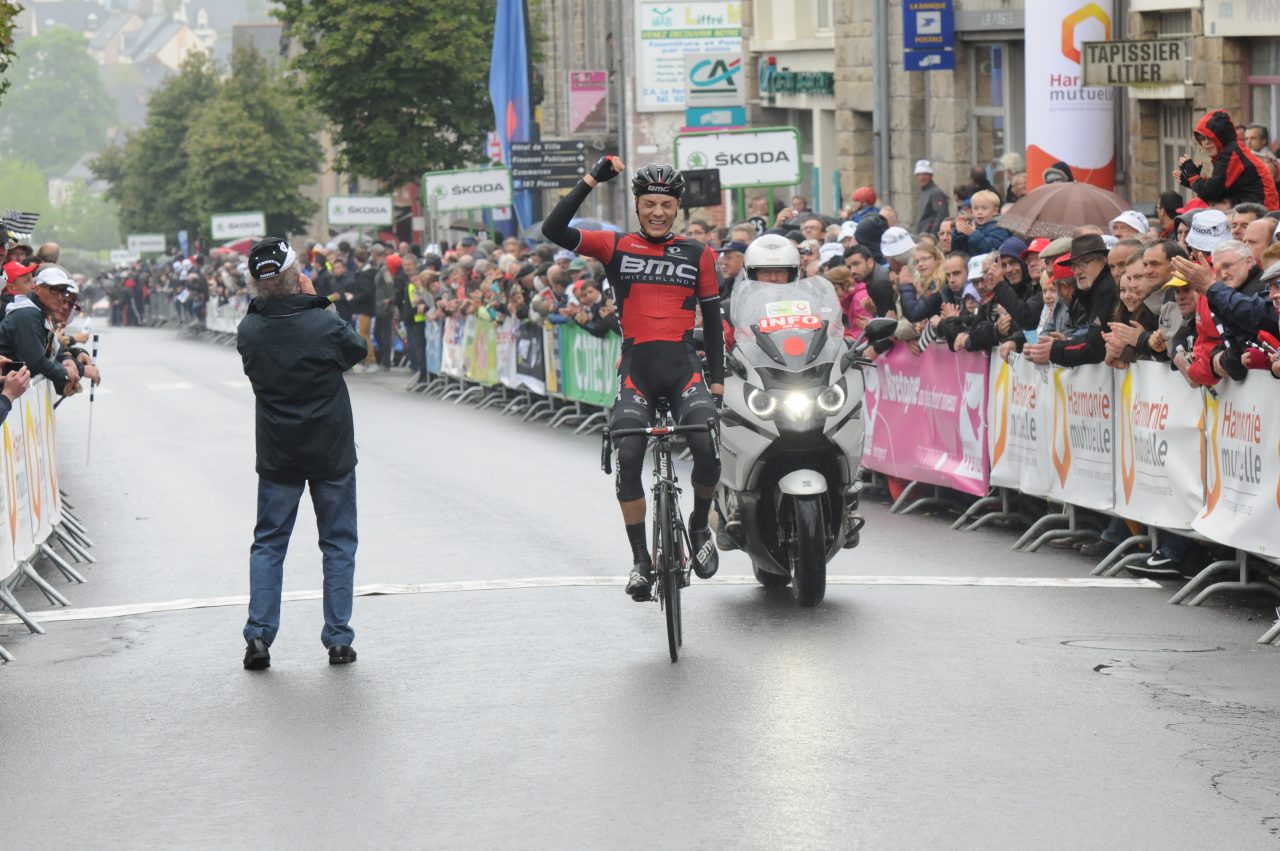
pixel 996 101
pixel 1264 85
pixel 822 15
pixel 1176 124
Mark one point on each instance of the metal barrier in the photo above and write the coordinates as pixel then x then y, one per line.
pixel 40 516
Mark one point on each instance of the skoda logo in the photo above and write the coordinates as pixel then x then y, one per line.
pixel 697 160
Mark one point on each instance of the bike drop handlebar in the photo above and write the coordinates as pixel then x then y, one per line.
pixel 607 438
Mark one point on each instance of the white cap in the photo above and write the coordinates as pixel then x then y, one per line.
pixel 975 266
pixel 896 242
pixel 1109 241
pixel 924 167
pixel 1275 234
pixel 829 250
pixel 849 230
pixel 1208 228
pixel 1133 219
pixel 564 254
pixel 56 276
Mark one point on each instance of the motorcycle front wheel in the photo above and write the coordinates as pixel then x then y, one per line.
pixel 770 580
pixel 808 550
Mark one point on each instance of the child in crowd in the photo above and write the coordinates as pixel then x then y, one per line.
pixel 983 232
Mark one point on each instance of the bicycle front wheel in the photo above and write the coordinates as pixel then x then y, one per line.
pixel 667 567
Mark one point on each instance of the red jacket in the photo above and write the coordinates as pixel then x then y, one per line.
pixel 1208 338
pixel 1237 175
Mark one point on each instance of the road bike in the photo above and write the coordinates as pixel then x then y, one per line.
pixel 671 548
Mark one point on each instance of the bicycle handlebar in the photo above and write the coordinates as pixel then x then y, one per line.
pixel 607 438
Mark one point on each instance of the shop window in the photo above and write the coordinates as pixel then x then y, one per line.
pixel 1263 81
pixel 996 99
pixel 1176 123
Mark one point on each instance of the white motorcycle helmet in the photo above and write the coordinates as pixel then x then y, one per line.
pixel 772 251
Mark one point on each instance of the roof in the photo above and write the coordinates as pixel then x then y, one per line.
pixel 148 40
pixel 108 30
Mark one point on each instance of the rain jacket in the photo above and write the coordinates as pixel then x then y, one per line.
pixel 294 353
pixel 1238 174
pixel 984 239
pixel 1093 308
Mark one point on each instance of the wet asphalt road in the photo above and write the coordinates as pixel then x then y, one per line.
pixel 893 716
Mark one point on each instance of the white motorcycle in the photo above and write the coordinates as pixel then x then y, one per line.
pixel 791 433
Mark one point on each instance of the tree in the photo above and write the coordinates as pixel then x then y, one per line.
pixel 148 173
pixel 24 188
pixel 212 146
pixel 254 146
pixel 8 12
pixel 404 84
pixel 57 80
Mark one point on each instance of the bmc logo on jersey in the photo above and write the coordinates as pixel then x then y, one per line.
pixel 655 267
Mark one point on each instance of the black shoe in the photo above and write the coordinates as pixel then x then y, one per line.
pixel 640 582
pixel 257 656
pixel 343 654
pixel 706 561
pixel 1097 549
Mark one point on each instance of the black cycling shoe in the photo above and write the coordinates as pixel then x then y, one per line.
pixel 640 582
pixel 343 654
pixel 257 656
pixel 706 560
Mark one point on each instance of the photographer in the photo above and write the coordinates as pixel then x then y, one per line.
pixel 294 352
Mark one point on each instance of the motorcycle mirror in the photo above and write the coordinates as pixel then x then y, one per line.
pixel 735 365
pixel 879 330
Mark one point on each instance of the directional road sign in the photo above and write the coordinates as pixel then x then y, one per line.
pixel 549 164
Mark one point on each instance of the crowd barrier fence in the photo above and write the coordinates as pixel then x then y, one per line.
pixel 34 514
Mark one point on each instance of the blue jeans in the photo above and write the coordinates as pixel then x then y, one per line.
pixel 335 505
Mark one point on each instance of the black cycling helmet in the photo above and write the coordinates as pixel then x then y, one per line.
pixel 658 179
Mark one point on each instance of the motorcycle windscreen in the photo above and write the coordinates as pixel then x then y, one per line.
pixel 791 326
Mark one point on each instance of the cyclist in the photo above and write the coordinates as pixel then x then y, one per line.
pixel 658 278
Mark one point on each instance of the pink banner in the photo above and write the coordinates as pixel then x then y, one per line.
pixel 588 101
pixel 926 417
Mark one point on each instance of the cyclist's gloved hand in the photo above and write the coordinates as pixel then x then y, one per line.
pixel 718 399
pixel 603 170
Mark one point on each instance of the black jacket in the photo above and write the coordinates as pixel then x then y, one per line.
pixel 364 287
pixel 1092 309
pixel 25 336
pixel 1238 175
pixel 294 353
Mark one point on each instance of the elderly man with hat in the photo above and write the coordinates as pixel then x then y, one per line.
pixel 1094 304
pixel 933 205
pixel 732 272
pixel 294 351
pixel 28 332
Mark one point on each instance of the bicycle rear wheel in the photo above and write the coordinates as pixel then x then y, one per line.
pixel 667 567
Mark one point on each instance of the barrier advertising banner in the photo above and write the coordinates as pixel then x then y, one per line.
pixel 1242 467
pixel 588 363
pixel 481 352
pixel 1017 409
pixel 926 417
pixel 551 350
pixel 435 346
pixel 1159 447
pixel 529 362
pixel 1066 121
pixel 451 360
pixel 1082 435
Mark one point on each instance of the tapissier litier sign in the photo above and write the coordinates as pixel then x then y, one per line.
pixel 1146 62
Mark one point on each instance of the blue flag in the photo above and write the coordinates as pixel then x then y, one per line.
pixel 509 89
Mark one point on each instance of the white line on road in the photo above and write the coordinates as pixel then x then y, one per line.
pixel 238 385
pixel 168 386
pixel 128 610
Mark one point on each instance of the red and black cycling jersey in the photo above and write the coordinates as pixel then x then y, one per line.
pixel 656 285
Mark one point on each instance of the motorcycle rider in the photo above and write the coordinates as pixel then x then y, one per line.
pixel 772 259
pixel 659 278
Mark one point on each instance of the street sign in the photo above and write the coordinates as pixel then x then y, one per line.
pixel 714 80
pixel 928 60
pixel 928 35
pixel 467 189
pixel 720 116
pixel 360 210
pixel 239 225
pixel 1144 62
pixel 768 157
pixel 549 164
pixel 145 243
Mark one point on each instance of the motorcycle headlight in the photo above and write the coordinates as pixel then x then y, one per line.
pixel 831 400
pixel 797 405
pixel 764 405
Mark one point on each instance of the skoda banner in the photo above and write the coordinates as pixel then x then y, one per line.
pixel 238 225
pixel 467 189
pixel 769 157
pixel 375 210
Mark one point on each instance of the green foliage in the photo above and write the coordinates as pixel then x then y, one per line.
pixel 81 221
pixel 8 12
pixel 24 188
pixel 216 146
pixel 404 85
pixel 55 79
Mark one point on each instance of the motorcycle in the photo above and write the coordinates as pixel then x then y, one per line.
pixel 791 433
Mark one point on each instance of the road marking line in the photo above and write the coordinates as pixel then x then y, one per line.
pixel 128 610
pixel 172 385
pixel 238 385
